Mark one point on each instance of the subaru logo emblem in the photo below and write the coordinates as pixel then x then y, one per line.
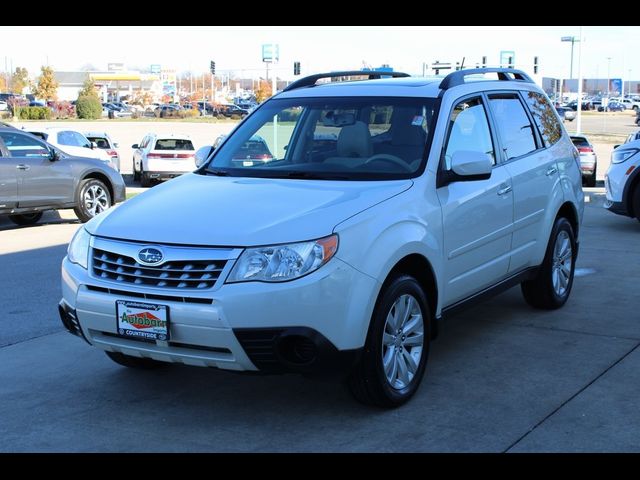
pixel 150 256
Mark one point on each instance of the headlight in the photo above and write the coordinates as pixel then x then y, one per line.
pixel 78 251
pixel 619 156
pixel 280 263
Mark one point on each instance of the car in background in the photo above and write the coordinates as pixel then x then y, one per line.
pixel 71 142
pixel 627 102
pixel 612 107
pixel 161 157
pixel 588 159
pixel 631 138
pixel 586 105
pixel 566 113
pixel 254 151
pixel 3 106
pixel 232 111
pixel 104 142
pixel 622 180
pixel 170 110
pixel 37 177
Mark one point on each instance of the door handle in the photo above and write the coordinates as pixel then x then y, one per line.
pixel 504 190
pixel 551 171
pixel 22 166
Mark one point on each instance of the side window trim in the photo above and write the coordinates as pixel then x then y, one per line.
pixel 503 156
pixel 441 161
pixel 534 125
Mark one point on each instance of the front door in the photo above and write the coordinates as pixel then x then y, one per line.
pixel 41 182
pixel 477 215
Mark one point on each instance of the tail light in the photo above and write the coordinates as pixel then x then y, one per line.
pixel 585 149
pixel 113 153
pixel 170 155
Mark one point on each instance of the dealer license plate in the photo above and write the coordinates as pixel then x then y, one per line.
pixel 144 321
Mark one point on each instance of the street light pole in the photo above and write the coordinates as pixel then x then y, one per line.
pixel 608 77
pixel 573 40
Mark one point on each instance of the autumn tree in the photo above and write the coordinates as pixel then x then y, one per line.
pixel 88 89
pixel 263 91
pixel 47 85
pixel 19 80
pixel 3 83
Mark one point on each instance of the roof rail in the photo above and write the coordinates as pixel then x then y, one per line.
pixel 457 78
pixel 312 79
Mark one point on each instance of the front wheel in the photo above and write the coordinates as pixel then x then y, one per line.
pixel 93 198
pixel 395 353
pixel 551 287
pixel 26 218
pixel 135 362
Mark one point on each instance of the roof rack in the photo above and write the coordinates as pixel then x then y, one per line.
pixel 312 79
pixel 508 74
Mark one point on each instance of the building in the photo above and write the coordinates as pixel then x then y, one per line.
pixel 112 85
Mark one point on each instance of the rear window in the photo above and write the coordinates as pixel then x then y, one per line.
pixel 100 141
pixel 580 142
pixel 253 149
pixel 173 144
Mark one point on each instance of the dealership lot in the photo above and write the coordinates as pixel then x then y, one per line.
pixel 501 377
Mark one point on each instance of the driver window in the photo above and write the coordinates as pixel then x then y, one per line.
pixel 468 130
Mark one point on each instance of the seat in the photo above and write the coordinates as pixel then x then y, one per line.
pixel 407 140
pixel 102 143
pixel 354 145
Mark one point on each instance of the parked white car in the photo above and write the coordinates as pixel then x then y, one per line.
pixel 72 142
pixel 622 180
pixel 160 157
pixel 386 206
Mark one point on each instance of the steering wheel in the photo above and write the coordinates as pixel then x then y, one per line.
pixel 391 159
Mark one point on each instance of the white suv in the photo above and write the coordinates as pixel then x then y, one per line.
pixel 622 180
pixel 159 157
pixel 387 205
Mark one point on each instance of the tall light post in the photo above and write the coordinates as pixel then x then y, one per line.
pixel 573 40
pixel 608 79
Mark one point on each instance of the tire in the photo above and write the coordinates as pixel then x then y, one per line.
pixel 635 108
pixel 25 218
pixel 540 292
pixel 369 382
pixel 591 180
pixel 136 174
pixel 145 181
pixel 635 201
pixel 135 362
pixel 93 197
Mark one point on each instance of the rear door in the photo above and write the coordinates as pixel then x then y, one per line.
pixel 41 182
pixel 477 215
pixel 8 179
pixel 525 137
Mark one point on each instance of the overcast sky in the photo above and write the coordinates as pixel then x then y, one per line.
pixel 320 48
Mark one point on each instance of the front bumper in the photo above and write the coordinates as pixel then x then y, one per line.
pixel 165 175
pixel 315 323
pixel 617 207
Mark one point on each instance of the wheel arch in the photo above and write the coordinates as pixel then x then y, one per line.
pixel 418 267
pixel 568 211
pixel 99 176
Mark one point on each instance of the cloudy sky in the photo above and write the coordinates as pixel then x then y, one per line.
pixel 606 51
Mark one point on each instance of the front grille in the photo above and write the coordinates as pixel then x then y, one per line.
pixel 194 274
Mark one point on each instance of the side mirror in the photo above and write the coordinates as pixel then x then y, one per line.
pixel 616 146
pixel 93 145
pixel 115 145
pixel 467 166
pixel 202 154
pixel 135 146
pixel 54 156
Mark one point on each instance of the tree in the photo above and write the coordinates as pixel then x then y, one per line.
pixel 263 91
pixel 47 85
pixel 88 89
pixel 19 80
pixel 3 83
pixel 89 107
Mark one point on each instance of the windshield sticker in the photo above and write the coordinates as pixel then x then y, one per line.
pixel 417 120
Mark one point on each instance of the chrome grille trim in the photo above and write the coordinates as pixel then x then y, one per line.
pixel 183 268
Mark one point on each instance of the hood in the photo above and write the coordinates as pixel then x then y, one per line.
pixel 222 211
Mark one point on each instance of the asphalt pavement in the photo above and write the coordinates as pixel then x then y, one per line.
pixel 501 377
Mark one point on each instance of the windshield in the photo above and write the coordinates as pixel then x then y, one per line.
pixel 351 138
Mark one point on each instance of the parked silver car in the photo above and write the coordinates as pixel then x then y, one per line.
pixel 588 159
pixel 37 176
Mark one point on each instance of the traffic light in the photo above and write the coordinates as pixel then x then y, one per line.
pixel 484 62
pixel 535 65
pixel 212 66
pixel 296 68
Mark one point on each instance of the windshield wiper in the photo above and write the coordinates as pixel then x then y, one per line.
pixel 315 175
pixel 219 173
